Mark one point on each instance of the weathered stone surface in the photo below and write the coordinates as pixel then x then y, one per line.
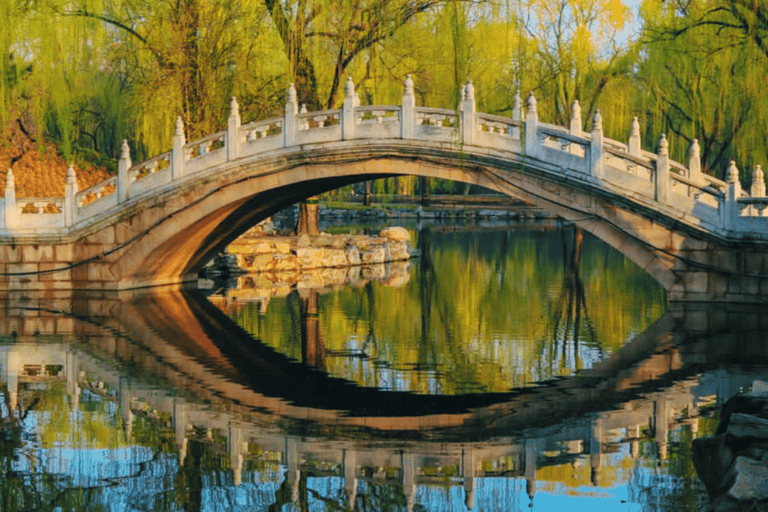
pixel 396 234
pixel 353 255
pixel 310 257
pixel 398 251
pixel 747 425
pixel 282 246
pixel 303 241
pixel 374 255
pixel 750 480
pixel 334 258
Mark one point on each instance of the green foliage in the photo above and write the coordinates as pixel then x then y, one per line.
pixel 88 73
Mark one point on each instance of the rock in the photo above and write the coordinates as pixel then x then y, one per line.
pixel 747 425
pixel 399 251
pixel 334 258
pixel 284 262
pixel 750 480
pixel 352 254
pixel 282 247
pixel 711 458
pixel 309 257
pixel 303 241
pixel 324 240
pixel 396 234
pixel 374 255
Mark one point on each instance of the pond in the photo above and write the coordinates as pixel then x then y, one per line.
pixel 513 366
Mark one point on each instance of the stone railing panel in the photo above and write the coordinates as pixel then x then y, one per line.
pixel 377 122
pixel 322 126
pixel 96 192
pixel 150 167
pixel 149 175
pixel 204 153
pixel 558 146
pixel 436 124
pixel 206 146
pixel 258 130
pixel 40 213
pixel 261 136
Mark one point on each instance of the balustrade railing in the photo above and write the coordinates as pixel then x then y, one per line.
pixel 588 156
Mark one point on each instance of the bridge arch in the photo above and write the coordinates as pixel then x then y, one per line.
pixel 157 222
pixel 212 214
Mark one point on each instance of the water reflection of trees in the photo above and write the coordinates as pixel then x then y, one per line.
pixel 482 312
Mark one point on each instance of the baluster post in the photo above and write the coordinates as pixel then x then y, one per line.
pixel 575 127
pixel 661 177
pixel 233 130
pixel 348 111
pixel 289 122
pixel 596 146
pixel 468 114
pixel 123 165
pixel 633 146
pixel 730 209
pixel 408 110
pixel 70 191
pixel 517 114
pixel 531 128
pixel 11 214
pixel 178 157
pixel 694 162
pixel 757 189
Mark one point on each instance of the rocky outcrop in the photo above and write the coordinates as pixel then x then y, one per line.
pixel 282 254
pixel 734 464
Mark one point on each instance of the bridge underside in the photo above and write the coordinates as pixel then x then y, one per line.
pixel 166 239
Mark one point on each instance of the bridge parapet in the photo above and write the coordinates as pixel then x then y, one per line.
pixel 589 157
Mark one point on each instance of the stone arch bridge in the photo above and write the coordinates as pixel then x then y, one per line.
pixel 158 222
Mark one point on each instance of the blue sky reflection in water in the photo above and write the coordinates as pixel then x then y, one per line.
pixel 141 404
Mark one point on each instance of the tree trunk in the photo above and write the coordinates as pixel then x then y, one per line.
pixel 308 222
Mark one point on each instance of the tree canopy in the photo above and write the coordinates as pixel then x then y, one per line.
pixel 85 74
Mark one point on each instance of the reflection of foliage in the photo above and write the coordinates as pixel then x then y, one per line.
pixel 481 312
pixel 671 484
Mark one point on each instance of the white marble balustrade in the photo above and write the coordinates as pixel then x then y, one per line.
pixel 648 177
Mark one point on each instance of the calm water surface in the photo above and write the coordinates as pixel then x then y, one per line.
pixel 519 366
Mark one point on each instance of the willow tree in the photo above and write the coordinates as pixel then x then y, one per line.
pixel 705 65
pixel 51 68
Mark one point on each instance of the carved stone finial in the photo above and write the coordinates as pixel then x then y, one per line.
pixel 349 88
pixel 732 175
pixel 71 178
pixel 234 108
pixel 469 90
pixel 531 102
pixel 597 121
pixel 758 182
pixel 291 94
pixel 408 85
pixel 695 150
pixel 303 108
pixel 125 150
pixel 517 106
pixel 179 126
pixel 464 93
pixel 635 129
pixel 663 145
pixel 576 110
pixel 9 181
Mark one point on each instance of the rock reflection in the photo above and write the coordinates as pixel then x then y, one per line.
pixel 163 402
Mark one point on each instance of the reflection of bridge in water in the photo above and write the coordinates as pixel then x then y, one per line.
pixel 639 392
